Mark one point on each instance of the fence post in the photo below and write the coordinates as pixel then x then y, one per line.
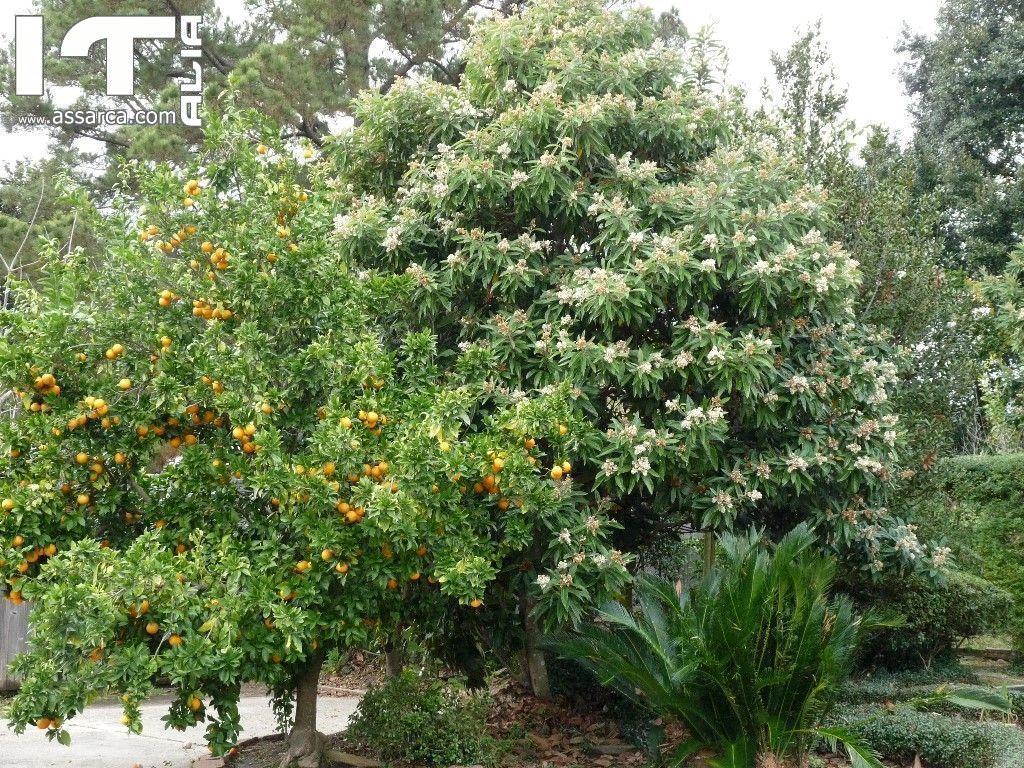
pixel 13 638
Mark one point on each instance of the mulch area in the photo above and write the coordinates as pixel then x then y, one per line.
pixel 537 733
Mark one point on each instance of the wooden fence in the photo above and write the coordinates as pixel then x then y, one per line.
pixel 13 638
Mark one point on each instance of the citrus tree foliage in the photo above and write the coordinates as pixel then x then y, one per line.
pixel 581 207
pixel 233 454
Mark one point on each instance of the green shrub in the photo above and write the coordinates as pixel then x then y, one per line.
pixel 941 740
pixel 422 719
pixel 748 659
pixel 905 684
pixel 976 503
pixel 938 617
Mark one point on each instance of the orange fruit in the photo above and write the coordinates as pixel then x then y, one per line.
pixel 392 584
pixel 174 640
pixel 341 567
pixel 195 704
pixel 152 628
pixel 327 554
pixel 556 473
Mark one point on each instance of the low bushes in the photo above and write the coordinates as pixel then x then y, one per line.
pixel 942 740
pixel 423 720
pixel 938 617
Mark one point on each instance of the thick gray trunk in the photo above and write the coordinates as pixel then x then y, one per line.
pixel 305 743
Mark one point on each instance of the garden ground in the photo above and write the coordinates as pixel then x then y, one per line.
pixel 99 740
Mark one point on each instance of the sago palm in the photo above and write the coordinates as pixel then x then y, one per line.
pixel 746 659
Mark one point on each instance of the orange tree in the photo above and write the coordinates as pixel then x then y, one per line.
pixel 233 454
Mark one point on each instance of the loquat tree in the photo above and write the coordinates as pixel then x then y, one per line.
pixel 586 206
pixel 235 451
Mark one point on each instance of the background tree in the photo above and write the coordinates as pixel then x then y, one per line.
pixel 579 204
pixel 810 104
pixel 298 61
pixel 232 455
pixel 895 229
pixel 968 91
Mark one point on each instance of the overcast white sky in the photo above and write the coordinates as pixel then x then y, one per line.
pixel 861 36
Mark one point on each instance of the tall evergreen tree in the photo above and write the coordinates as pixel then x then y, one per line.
pixel 968 87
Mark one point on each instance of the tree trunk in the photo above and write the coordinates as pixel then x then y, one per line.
pixel 709 551
pixel 536 669
pixel 305 743
pixel 394 657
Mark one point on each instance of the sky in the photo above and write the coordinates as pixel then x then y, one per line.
pixel 861 36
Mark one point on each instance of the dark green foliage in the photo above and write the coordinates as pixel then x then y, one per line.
pixel 938 616
pixel 942 741
pixel 745 660
pixel 967 87
pixel 976 503
pixel 885 686
pixel 422 719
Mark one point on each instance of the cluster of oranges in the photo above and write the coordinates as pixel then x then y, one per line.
pixel 114 352
pixel 172 243
pixel 244 436
pixel 218 256
pixel 192 189
pixel 215 384
pixel 352 514
pixel 33 555
pixel 204 309
pixel 167 298
pixel 47 385
pixel 97 409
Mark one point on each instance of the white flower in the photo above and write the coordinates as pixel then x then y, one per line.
pixel 510 85
pixel 711 241
pixel 543 581
pixel 796 464
pixel 342 223
pixel 641 466
pixel 599 560
pixel 562 565
pixel 716 355
pixel 565 537
pixel 593 524
pixel 392 240
pixel 708 265
pixel 547 160
pixel 504 150
pixel 609 467
pixel 518 177
pixel 682 360
pixel 755 495
pixel 797 384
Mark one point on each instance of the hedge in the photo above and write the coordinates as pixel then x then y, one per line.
pixel 975 504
